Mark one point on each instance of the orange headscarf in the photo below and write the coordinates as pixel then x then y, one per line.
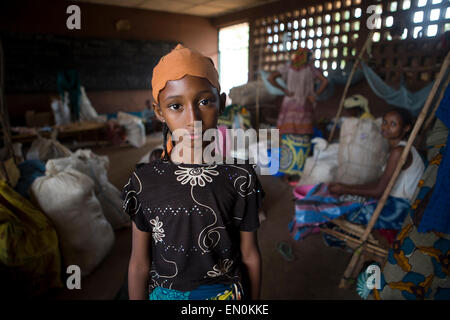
pixel 180 62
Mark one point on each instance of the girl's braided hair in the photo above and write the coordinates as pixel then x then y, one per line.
pixel 165 131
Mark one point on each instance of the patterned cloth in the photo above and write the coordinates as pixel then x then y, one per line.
pixel 320 206
pixel 295 118
pixel 418 263
pixel 205 292
pixel 294 152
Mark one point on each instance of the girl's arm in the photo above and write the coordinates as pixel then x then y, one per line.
pixel 139 266
pixel 251 258
pixel 373 189
pixel 323 84
pixel 272 79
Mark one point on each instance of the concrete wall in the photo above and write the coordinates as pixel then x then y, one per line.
pixel 98 21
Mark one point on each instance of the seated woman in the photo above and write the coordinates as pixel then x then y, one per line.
pixel 358 202
pixel 396 125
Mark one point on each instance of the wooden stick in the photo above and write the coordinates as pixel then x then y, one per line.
pixel 400 164
pixel 350 227
pixel 347 85
pixel 257 86
pixel 370 248
pixel 4 116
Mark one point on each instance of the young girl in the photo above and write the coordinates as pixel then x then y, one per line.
pixel 295 120
pixel 194 224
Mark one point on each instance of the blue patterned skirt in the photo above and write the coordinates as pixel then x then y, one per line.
pixel 205 292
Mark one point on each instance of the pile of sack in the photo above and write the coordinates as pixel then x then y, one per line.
pixel 358 158
pixel 63 212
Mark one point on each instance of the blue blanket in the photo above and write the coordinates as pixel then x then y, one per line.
pixel 319 206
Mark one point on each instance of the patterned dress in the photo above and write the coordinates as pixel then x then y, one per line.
pixel 194 213
pixel 295 120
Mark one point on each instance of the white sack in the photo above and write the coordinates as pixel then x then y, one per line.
pixel 96 167
pixel 87 111
pixel 68 199
pixel 246 94
pixel 322 166
pixel 362 151
pixel 134 127
pixel 44 149
pixel 61 110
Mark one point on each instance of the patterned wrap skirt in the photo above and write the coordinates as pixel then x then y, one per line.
pixel 295 149
pixel 205 292
pixel 295 123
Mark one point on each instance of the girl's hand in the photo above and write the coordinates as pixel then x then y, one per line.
pixel 336 188
pixel 288 93
pixel 312 99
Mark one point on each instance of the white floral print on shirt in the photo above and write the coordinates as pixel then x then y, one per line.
pixel 221 268
pixel 196 176
pixel 158 231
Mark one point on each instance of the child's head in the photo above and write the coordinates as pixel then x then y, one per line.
pixel 185 87
pixel 300 57
pixel 397 123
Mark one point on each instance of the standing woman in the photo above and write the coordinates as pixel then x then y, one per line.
pixel 295 120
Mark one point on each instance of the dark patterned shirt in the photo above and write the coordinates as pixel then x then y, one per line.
pixel 195 213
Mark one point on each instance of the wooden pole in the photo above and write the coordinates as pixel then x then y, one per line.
pixel 347 85
pixel 258 77
pixel 369 247
pixel 4 116
pixel 400 164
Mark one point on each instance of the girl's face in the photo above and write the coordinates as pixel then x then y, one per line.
pixel 190 99
pixel 393 127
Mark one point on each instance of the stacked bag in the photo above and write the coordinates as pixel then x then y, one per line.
pixel 64 214
pixel 84 206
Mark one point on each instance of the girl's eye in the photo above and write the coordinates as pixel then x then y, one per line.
pixel 175 106
pixel 204 102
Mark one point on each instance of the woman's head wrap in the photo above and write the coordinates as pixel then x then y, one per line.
pixel 300 57
pixel 180 62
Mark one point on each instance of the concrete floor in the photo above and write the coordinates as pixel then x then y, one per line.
pixel 317 269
